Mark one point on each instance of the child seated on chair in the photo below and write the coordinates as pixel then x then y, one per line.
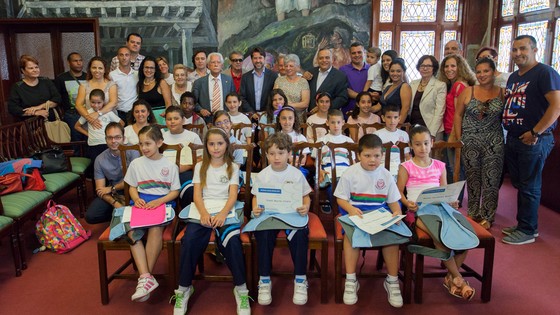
pixel 216 179
pixel 153 181
pixel 422 172
pixel 233 102
pixel 278 148
pixel 320 117
pixel 342 157
pixel 391 115
pixel 367 186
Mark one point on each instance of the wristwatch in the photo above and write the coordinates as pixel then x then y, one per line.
pixel 534 134
pixel 100 113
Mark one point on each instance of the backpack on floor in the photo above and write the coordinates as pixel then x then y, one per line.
pixel 58 229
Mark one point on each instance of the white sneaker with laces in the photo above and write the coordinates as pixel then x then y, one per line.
pixel 393 293
pixel 351 288
pixel 242 300
pixel 181 301
pixel 265 293
pixel 143 289
pixel 300 293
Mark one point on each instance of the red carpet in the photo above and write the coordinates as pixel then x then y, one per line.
pixel 525 279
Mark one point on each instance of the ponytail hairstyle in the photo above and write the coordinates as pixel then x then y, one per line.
pixel 206 157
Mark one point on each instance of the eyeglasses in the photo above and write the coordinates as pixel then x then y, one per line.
pixel 118 138
pixel 223 122
pixel 236 60
pixel 426 66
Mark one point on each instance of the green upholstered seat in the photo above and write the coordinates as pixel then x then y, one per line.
pixel 57 181
pixel 79 164
pixel 5 221
pixel 17 204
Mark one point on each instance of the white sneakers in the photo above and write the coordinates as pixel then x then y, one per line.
pixel 181 301
pixel 300 292
pixel 393 293
pixel 351 288
pixel 242 300
pixel 265 293
pixel 143 288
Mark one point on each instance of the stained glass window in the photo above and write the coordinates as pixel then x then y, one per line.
pixel 385 40
pixel 504 48
pixel 539 31
pixel 414 44
pixel 447 36
pixel 451 10
pixel 419 11
pixel 556 49
pixel 533 5
pixel 386 11
pixel 507 7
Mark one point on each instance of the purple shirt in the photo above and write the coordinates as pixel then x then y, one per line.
pixel 356 81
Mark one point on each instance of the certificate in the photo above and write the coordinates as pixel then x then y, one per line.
pixel 212 206
pixel 441 194
pixel 375 221
pixel 283 198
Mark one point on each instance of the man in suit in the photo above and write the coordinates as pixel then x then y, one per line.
pixel 328 79
pixel 257 84
pixel 211 90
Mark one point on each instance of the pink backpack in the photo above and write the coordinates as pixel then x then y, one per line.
pixel 58 229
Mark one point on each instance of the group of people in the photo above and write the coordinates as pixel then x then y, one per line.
pixel 496 115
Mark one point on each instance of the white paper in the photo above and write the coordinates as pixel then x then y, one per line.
pixel 281 198
pixel 375 221
pixel 212 206
pixel 449 193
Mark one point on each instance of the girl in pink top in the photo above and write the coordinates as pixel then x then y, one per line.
pixel 423 172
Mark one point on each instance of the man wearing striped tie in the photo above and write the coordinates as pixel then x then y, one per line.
pixel 211 90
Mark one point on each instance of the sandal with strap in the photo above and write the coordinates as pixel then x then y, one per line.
pixel 462 291
pixel 451 287
pixel 465 290
pixel 485 224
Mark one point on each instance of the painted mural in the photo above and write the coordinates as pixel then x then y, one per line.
pixel 293 26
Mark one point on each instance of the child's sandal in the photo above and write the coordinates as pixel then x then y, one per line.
pixel 451 287
pixel 466 291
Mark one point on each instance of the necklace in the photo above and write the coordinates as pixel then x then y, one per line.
pixel 150 82
pixel 423 85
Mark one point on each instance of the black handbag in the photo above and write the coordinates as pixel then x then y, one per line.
pixel 54 160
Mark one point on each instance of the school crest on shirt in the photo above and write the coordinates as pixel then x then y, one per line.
pixel 224 179
pixel 380 184
pixel 165 171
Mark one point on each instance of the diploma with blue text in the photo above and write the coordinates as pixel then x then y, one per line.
pixel 281 198
pixel 212 206
pixel 441 194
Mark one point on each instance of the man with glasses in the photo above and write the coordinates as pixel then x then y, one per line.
pixel 108 176
pixel 235 69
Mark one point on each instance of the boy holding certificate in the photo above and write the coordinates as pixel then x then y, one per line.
pixel 367 186
pixel 292 199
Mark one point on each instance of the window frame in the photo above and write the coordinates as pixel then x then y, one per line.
pixel 550 15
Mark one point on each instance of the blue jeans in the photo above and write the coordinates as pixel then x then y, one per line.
pixel 525 164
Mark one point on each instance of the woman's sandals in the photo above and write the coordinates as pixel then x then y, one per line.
pixel 458 287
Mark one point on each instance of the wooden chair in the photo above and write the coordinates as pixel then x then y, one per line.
pixel 104 244
pixel 8 227
pixel 487 243
pixel 366 128
pixel 244 195
pixel 262 128
pixel 347 129
pixel 199 129
pixel 405 275
pixel 239 129
pixel 317 235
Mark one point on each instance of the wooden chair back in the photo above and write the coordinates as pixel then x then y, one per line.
pixel 196 128
pixel 439 146
pixel 352 149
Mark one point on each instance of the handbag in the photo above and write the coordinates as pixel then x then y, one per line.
pixel 54 160
pixel 34 180
pixel 10 183
pixel 57 130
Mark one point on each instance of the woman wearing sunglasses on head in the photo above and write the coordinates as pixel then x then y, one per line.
pixel 478 124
